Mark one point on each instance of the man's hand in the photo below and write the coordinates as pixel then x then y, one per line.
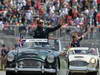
pixel 63 53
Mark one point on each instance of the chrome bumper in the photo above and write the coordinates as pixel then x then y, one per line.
pixel 82 69
pixel 31 70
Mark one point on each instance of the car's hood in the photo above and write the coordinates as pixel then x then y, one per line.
pixel 34 53
pixel 86 58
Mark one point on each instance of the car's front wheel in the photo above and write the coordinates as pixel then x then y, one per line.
pixel 54 74
pixel 69 73
pixel 50 74
pixel 10 73
pixel 92 73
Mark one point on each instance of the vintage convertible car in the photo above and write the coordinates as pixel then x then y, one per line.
pixel 37 56
pixel 83 60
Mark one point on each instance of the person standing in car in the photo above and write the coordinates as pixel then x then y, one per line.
pixel 42 32
pixel 76 39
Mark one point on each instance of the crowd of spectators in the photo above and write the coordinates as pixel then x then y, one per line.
pixel 79 13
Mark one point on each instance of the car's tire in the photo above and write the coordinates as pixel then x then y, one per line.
pixel 92 73
pixel 10 73
pixel 95 73
pixel 57 67
pixel 50 74
pixel 29 73
pixel 58 62
pixel 54 74
pixel 70 73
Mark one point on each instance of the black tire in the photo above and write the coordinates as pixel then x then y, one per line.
pixel 54 74
pixel 50 74
pixel 58 63
pixel 57 67
pixel 29 73
pixel 69 73
pixel 92 73
pixel 10 73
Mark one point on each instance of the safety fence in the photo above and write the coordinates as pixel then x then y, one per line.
pixel 63 33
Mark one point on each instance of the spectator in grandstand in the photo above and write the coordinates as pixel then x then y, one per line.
pixel 1 1
pixel 98 4
pixel 98 20
pixel 1 24
pixel 22 31
pixel 98 17
pixel 94 17
pixel 29 16
pixel 4 52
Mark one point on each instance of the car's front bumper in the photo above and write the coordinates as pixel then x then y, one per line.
pixel 82 69
pixel 32 70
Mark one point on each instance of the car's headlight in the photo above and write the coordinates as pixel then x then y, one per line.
pixel 93 60
pixel 10 57
pixel 50 59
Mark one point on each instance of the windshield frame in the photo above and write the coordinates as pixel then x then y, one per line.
pixel 88 52
pixel 50 44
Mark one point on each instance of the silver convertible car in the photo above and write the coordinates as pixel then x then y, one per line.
pixel 83 60
pixel 37 56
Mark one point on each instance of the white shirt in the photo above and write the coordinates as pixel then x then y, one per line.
pixel 64 11
pixel 29 15
pixel 1 25
pixel 52 9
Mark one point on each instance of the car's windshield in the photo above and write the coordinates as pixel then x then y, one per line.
pixel 50 44
pixel 91 51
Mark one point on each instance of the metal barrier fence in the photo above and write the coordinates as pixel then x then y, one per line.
pixel 63 33
pixel 91 40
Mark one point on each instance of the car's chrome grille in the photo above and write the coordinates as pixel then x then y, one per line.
pixel 78 63
pixel 29 63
